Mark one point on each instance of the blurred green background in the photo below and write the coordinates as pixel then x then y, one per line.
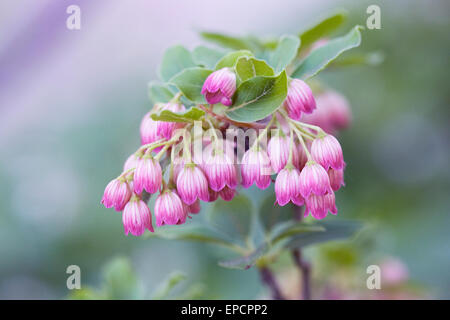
pixel 71 102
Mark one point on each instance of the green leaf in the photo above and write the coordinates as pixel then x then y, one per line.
pixel 233 218
pixel 324 28
pixel 247 67
pixel 225 41
pixel 292 228
pixel 192 232
pixel 207 57
pixel 192 114
pixel 159 93
pixel 120 279
pixel 190 82
pixel 164 289
pixel 246 261
pixel 319 58
pixel 231 59
pixel 271 214
pixel 285 52
pixel 258 97
pixel 175 60
pixel 360 58
pixel 334 230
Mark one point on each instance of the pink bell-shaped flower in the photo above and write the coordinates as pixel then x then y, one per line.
pixel 219 87
pixel 136 217
pixel 192 184
pixel 255 168
pixel 117 193
pixel 328 152
pixel 169 209
pixel 299 99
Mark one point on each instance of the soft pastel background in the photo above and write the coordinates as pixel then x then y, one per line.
pixel 71 102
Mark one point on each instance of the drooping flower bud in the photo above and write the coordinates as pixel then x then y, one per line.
pixel 147 176
pixel 227 193
pixel 299 99
pixel 333 112
pixel 220 171
pixel 130 163
pixel 336 178
pixel 192 184
pixel 117 193
pixel 320 205
pixel 314 180
pixel 256 167
pixel 328 152
pixel 220 86
pixel 136 217
pixel 169 209
pixel 287 186
pixel 339 109
pixel 149 130
pixel 278 150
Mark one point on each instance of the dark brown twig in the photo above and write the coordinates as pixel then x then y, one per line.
pixel 268 278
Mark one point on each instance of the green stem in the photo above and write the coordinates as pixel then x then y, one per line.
pixel 302 142
pixel 291 146
pixel 263 133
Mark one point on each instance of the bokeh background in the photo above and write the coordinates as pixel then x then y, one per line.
pixel 71 102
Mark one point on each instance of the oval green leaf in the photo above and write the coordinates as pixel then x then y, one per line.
pixel 323 28
pixel 319 58
pixel 226 41
pixel 230 60
pixel 190 82
pixel 175 60
pixel 207 57
pixel 246 261
pixel 193 114
pixel 258 97
pixel 247 67
pixel 285 52
pixel 159 93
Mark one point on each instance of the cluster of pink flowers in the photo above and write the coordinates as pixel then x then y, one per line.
pixel 308 163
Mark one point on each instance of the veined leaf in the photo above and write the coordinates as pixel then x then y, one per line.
pixel 159 93
pixel 245 262
pixel 360 58
pixel 192 114
pixel 258 97
pixel 175 60
pixel 193 232
pixel 190 82
pixel 207 57
pixel 334 230
pixel 323 28
pixel 292 228
pixel 285 52
pixel 319 58
pixel 247 67
pixel 226 41
pixel 231 58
